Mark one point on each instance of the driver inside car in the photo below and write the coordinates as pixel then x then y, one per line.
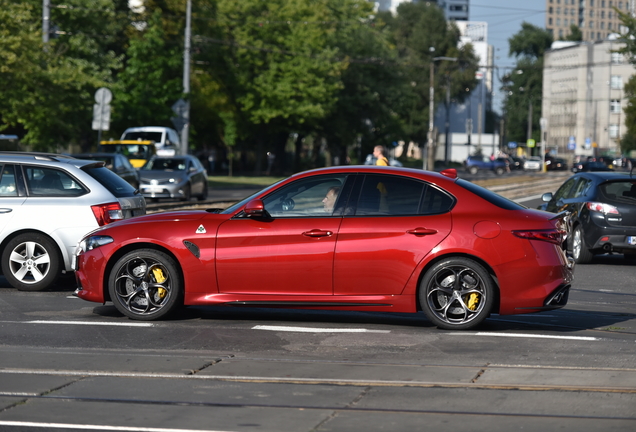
pixel 329 201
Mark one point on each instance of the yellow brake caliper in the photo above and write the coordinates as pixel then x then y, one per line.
pixel 473 300
pixel 160 278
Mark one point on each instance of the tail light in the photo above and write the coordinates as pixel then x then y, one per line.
pixel 107 213
pixel 601 208
pixel 551 236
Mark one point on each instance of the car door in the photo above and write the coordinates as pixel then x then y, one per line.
pixel 11 199
pixel 290 252
pixel 396 222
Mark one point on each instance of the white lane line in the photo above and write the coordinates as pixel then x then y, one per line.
pixel 99 323
pixel 536 336
pixel 98 427
pixel 317 330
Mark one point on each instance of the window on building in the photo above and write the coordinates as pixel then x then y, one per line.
pixel 610 15
pixel 617 58
pixel 591 24
pixel 602 14
pixel 602 25
pixel 613 131
pixel 560 33
pixel 609 26
pixel 616 82
pixel 615 106
pixel 602 3
pixel 550 9
pixel 591 2
pixel 572 11
pixel 549 21
pixel 591 14
pixel 620 5
pixel 558 11
pixel 558 22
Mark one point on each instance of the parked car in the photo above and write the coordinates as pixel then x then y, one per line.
pixel 532 163
pixel 179 177
pixel 117 163
pixel 603 213
pixel 342 238
pixel 474 164
pixel 590 166
pixel 47 203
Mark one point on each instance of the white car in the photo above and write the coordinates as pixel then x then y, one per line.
pixel 48 202
pixel 532 164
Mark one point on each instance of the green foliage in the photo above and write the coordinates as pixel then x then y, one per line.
pixel 524 85
pixel 576 35
pixel 628 140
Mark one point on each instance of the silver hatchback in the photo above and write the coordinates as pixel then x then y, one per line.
pixel 48 202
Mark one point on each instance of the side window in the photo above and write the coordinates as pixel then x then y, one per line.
pixel 7 182
pixel 580 189
pixel 564 190
pixel 50 182
pixel 400 196
pixel 312 197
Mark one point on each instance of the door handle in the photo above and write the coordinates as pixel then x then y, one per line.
pixel 5 210
pixel 317 233
pixel 421 231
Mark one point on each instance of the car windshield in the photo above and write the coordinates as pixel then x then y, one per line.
pixel 619 190
pixel 111 181
pixel 490 196
pixel 165 164
pixel 132 151
pixel 152 136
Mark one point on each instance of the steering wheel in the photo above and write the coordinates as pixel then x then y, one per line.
pixel 288 204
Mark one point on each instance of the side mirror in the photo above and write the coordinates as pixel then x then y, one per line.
pixel 255 208
pixel 546 197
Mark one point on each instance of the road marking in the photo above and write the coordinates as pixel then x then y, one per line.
pixel 317 330
pixel 536 336
pixel 101 323
pixel 98 427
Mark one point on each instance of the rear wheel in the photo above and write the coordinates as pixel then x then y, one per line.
pixel 145 285
pixel 473 170
pixel 186 193
pixel 31 262
pixel 499 171
pixel 580 252
pixel 457 294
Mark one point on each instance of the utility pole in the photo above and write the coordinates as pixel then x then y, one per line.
pixel 46 20
pixel 186 79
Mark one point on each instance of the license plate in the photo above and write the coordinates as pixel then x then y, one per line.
pixel 631 240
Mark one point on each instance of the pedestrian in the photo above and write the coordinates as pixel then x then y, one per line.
pixel 378 153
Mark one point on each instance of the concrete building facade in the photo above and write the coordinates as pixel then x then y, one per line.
pixel 597 19
pixel 583 97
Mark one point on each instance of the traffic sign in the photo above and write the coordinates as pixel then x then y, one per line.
pixel 530 143
pixel 572 143
pixel 101 110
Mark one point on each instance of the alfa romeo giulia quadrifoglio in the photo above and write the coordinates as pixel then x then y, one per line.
pixel 345 238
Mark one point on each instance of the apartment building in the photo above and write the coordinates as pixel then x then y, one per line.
pixel 596 19
pixel 583 97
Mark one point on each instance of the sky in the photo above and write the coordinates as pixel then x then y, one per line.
pixel 504 18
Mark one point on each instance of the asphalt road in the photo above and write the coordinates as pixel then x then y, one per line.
pixel 66 364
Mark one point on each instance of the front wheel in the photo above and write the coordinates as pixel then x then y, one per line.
pixel 145 285
pixel 31 262
pixel 473 170
pixel 457 294
pixel 580 252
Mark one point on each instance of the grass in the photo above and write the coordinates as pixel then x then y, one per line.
pixel 241 181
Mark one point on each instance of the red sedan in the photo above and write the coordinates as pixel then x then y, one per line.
pixel 345 238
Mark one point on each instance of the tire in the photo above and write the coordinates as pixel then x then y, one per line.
pixel 145 285
pixel 499 171
pixel 31 262
pixel 187 191
pixel 580 252
pixel 204 194
pixel 473 170
pixel 445 294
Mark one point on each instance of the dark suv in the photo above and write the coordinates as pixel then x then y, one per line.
pixel 603 208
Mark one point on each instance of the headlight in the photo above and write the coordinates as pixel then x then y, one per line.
pixel 92 242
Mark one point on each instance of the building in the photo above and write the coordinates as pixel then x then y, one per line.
pixel 454 10
pixel 597 19
pixel 467 121
pixel 583 97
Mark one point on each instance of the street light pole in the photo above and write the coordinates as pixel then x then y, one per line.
pixel 431 107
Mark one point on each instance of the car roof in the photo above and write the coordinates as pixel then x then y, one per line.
pixel 607 175
pixel 411 172
pixel 43 158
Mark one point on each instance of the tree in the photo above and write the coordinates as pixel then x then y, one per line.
pixel 576 35
pixel 524 85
